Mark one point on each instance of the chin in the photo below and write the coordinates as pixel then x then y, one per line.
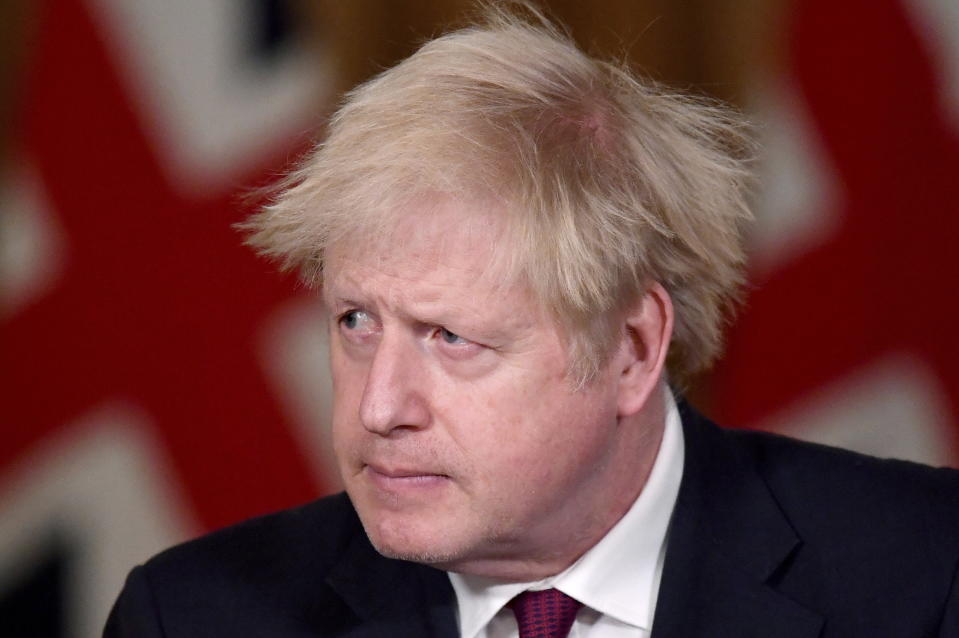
pixel 420 541
pixel 427 526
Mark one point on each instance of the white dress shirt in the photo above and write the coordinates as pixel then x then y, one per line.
pixel 617 579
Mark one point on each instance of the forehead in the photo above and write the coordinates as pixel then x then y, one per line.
pixel 431 247
pixel 428 231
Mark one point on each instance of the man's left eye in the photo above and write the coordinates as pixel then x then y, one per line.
pixel 452 338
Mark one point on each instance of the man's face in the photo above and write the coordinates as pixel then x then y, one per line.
pixel 459 436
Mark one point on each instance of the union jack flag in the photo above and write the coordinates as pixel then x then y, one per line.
pixel 159 381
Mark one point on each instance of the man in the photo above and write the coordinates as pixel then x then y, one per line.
pixel 520 249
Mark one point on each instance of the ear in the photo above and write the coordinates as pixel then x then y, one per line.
pixel 647 328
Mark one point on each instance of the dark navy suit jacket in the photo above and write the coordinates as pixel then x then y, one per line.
pixel 770 538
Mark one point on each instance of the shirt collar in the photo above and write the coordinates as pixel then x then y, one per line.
pixel 619 576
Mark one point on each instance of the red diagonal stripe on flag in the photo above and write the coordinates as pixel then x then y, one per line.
pixel 159 305
pixel 885 281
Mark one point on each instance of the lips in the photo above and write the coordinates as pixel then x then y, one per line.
pixel 403 479
pixel 401 472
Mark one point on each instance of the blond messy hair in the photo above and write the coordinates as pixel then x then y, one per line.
pixel 610 182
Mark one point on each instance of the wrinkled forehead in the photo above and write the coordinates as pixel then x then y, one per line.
pixel 430 233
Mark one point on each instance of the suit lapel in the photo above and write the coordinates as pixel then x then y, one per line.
pixel 728 542
pixel 392 597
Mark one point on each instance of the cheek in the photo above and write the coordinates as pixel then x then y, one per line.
pixel 348 374
pixel 553 434
pixel 349 380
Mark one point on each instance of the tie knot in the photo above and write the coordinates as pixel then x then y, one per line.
pixel 544 614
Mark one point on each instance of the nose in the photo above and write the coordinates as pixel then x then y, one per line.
pixel 393 398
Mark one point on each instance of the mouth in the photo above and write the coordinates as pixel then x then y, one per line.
pixel 394 478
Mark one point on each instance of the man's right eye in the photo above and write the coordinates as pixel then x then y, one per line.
pixel 357 325
pixel 356 320
pixel 350 319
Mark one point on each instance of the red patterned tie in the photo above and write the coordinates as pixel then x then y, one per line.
pixel 544 614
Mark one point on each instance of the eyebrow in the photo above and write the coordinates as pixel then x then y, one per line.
pixel 330 293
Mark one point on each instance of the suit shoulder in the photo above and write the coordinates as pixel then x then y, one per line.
pixel 834 484
pixel 265 576
pixel 781 454
pixel 262 551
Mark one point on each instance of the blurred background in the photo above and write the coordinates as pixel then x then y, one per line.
pixel 158 381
